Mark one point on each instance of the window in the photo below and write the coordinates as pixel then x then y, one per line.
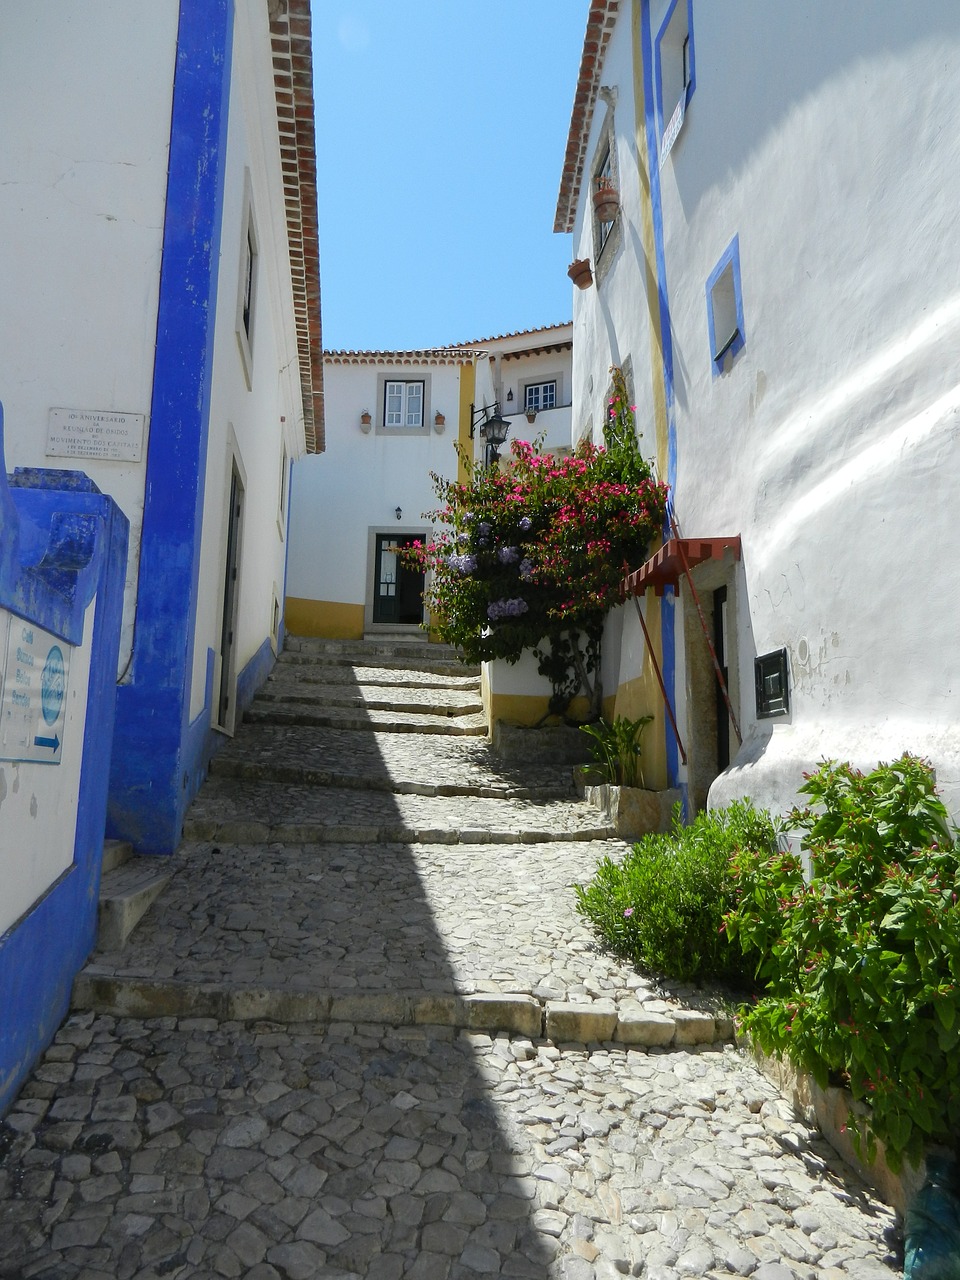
pixel 539 395
pixel 247 285
pixel 770 672
pixel 403 404
pixel 676 71
pixel 602 174
pixel 725 309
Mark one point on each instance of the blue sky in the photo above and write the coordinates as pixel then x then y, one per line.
pixel 441 128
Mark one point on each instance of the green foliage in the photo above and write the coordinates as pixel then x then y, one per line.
pixel 862 965
pixel 662 906
pixel 616 748
pixel 533 555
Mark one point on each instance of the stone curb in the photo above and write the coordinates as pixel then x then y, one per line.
pixel 301 833
pixel 517 1013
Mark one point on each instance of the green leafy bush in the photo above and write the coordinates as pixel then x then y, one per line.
pixel 616 749
pixel 662 906
pixel 862 965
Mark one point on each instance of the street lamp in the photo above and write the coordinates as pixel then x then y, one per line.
pixel 493 429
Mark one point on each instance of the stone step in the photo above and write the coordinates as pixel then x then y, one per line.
pixel 364 649
pixel 436 703
pixel 353 676
pixel 261 770
pixel 524 1014
pixel 126 892
pixel 432 666
pixel 238 811
pixel 378 721
pixel 115 854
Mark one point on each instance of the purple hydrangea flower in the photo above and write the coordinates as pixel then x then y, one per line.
pixel 508 555
pixel 526 568
pixel 464 565
pixel 484 528
pixel 526 524
pixel 498 609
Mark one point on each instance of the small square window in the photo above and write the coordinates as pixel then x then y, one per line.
pixel 725 309
pixel 770 672
pixel 539 395
pixel 247 285
pixel 676 67
pixel 403 404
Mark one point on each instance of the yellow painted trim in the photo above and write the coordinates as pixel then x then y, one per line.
pixel 325 618
pixel 526 709
pixel 468 385
pixel 648 244
pixel 641 696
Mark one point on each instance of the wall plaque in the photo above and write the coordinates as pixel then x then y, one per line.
pixel 95 433
pixel 33 703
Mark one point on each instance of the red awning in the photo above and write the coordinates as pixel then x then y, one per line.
pixel 665 567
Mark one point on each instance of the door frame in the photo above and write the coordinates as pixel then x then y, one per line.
pixel 370 590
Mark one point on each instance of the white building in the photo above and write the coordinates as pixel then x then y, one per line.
pixel 392 418
pixel 160 330
pixel 779 283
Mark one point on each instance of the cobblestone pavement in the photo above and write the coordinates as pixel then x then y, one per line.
pixel 198 1148
pixel 166 1145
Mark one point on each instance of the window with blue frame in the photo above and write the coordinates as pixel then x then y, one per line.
pixel 725 309
pixel 676 68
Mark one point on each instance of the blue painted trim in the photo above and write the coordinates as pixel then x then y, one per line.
pixel 691 54
pixel 729 258
pixel 155 760
pixel 667 603
pixel 254 674
pixel 42 953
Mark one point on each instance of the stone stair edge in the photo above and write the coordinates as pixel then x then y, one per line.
pixel 127 891
pixel 521 1013
pixel 235 831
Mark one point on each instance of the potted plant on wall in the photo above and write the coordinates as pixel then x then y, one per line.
pixel 606 201
pixel 580 273
pixel 531 415
pixel 366 421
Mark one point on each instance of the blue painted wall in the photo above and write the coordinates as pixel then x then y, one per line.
pixel 158 762
pixel 62 543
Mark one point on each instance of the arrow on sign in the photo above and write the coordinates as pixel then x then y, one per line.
pixel 53 743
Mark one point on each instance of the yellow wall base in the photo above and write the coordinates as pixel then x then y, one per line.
pixel 525 709
pixel 324 618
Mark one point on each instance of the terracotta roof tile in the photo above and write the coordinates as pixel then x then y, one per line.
pixel 600 23
pixel 291 44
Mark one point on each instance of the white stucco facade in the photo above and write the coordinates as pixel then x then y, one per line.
pixel 344 505
pixel 815 175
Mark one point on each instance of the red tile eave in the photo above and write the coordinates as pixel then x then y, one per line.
pixel 666 566
pixel 600 23
pixel 290 39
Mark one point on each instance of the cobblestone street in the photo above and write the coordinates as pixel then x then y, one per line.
pixel 364 1033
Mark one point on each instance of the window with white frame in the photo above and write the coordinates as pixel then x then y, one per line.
pixel 725 323
pixel 539 395
pixel 247 284
pixel 403 404
pixel 676 79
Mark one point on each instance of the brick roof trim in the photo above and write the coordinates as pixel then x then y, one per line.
pixel 432 355
pixel 600 24
pixel 516 333
pixel 292 47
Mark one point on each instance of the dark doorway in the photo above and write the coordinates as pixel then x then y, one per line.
pixel 720 646
pixel 228 626
pixel 398 589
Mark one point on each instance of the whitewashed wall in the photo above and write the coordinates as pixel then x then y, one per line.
pixel 83 223
pixel 253 421
pixel 357 484
pixel 828 141
pixel 38 802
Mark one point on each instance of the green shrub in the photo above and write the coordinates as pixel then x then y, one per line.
pixel 616 749
pixel 862 965
pixel 662 906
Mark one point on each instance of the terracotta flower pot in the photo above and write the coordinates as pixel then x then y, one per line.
pixel 606 203
pixel 580 273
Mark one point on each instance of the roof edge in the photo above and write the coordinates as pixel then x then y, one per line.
pixel 600 23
